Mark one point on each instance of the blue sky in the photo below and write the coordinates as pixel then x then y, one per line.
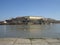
pixel 15 8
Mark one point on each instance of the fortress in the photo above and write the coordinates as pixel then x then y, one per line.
pixel 29 20
pixel 26 20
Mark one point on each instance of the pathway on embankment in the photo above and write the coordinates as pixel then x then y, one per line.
pixel 20 41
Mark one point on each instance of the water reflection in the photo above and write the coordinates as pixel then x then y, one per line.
pixel 30 31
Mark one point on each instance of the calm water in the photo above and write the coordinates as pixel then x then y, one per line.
pixel 30 31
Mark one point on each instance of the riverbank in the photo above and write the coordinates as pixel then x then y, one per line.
pixel 21 41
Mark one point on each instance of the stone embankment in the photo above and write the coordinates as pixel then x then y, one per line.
pixel 20 41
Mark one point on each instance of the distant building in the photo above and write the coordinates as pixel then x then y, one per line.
pixel 34 17
pixel 2 22
pixel 5 22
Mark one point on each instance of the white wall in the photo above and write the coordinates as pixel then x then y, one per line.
pixel 35 17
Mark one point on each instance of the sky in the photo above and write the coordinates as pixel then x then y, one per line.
pixel 16 8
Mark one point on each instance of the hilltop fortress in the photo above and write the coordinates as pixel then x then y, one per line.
pixel 26 20
pixel 29 20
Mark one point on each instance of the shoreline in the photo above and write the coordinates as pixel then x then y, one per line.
pixel 22 41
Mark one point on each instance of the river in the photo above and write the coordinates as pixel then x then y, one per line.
pixel 30 31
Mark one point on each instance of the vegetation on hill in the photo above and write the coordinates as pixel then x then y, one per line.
pixel 23 20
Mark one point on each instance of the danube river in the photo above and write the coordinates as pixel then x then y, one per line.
pixel 30 31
